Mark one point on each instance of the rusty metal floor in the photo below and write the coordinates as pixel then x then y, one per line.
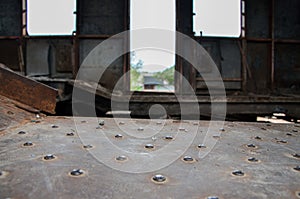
pixel 249 160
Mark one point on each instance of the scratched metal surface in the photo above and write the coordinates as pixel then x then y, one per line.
pixel 25 174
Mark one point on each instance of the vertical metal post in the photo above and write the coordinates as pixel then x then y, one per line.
pixel 272 46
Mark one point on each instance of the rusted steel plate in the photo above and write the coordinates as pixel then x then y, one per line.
pixel 265 156
pixel 27 91
pixel 12 116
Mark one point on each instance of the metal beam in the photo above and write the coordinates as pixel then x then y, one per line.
pixel 27 91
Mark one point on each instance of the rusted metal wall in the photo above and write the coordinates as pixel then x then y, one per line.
pixel 49 56
pixel 10 17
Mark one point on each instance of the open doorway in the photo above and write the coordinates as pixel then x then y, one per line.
pixel 150 69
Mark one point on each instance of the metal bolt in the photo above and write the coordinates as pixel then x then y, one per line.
pixel 188 158
pixel 181 129
pixel 70 134
pixel 54 126
pixel 222 129
pixel 118 136
pixel 159 122
pixel 121 158
pixel 297 168
pixel 49 157
pixel 22 132
pixel 212 197
pixel 149 146
pixel 88 146
pixel 252 159
pixel 289 134
pixel 201 146
pixel 257 138
pixel 76 172
pixel 140 129
pixel 28 144
pixel 282 141
pixel 238 173
pixel 101 122
pixel 159 178
pixel 169 137
pixel 251 145
pixel 296 155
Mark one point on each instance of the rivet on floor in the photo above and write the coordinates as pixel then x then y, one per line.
pixel 101 122
pixel 257 138
pixel 21 132
pixel 88 146
pixel 140 129
pixel 49 157
pixel 121 158
pixel 70 134
pixel 77 172
pixel 159 122
pixel 159 178
pixel 297 168
pixel 296 155
pixel 188 159
pixel 238 173
pixel 54 126
pixel 181 129
pixel 222 129
pixel 168 137
pixel 298 194
pixel 118 136
pixel 282 141
pixel 251 145
pixel 28 144
pixel 149 146
pixel 212 197
pixel 252 159
pixel 201 146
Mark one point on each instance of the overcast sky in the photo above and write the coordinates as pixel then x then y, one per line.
pixel 213 18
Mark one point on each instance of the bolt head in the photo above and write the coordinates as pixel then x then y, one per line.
pixel 21 132
pixel 252 159
pixel 149 146
pixel 76 172
pixel 70 134
pixel 118 136
pixel 49 157
pixel 101 122
pixel 28 144
pixel 159 178
pixel 201 146
pixel 169 137
pixel 238 173
pixel 188 159
pixel 121 158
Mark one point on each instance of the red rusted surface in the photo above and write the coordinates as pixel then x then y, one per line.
pixel 27 91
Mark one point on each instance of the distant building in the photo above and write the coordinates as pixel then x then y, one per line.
pixel 151 82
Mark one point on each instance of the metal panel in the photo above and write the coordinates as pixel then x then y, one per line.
pixel 10 18
pixel 287 67
pixel 49 56
pixel 287 19
pixel 27 91
pixel 258 18
pixel 9 54
pixel 115 70
pixel 259 64
pixel 105 17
